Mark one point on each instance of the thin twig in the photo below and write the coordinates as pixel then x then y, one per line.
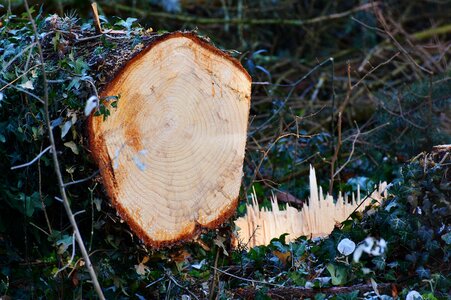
pixel 23 91
pixel 335 156
pixel 79 212
pixel 41 197
pixel 18 77
pixel 182 287
pixel 352 152
pixel 34 159
pixel 375 68
pixel 39 228
pixel 381 19
pixel 293 86
pixel 18 55
pixel 82 180
pixel 56 164
pixel 213 283
pixel 156 281
pixel 246 279
pixel 71 257
pixel 246 21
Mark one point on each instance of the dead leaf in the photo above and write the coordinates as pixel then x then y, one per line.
pixel 180 256
pixel 282 256
pixel 219 241
pixel 141 268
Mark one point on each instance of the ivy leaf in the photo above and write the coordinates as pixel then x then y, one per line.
pixel 98 203
pixel 425 234
pixel 349 296
pixel 127 24
pixel 30 203
pixel 65 128
pixel 379 262
pixel 279 246
pixel 320 296
pixel 56 122
pixel 447 238
pixel 298 249
pixel 397 223
pixel 423 273
pixel 64 243
pixel 27 85
pixel 339 274
pixel 72 147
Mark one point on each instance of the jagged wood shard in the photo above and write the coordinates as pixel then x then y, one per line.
pixel 315 219
pixel 171 153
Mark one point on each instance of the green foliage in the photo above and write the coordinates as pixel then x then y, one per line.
pixel 413 115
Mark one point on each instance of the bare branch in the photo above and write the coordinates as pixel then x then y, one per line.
pixel 375 68
pixel 23 91
pixel 82 180
pixel 71 257
pixel 34 159
pixel 350 154
pixel 56 164
pixel 246 21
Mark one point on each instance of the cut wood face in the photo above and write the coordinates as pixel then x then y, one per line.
pixel 171 154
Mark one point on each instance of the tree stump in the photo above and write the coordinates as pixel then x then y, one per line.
pixel 171 152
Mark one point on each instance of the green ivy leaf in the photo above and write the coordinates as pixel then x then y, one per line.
pixel 350 296
pixel 447 238
pixel 423 273
pixel 298 278
pixel 320 296
pixel 127 24
pixel 396 223
pixel 64 243
pixel 339 274
pixel 379 262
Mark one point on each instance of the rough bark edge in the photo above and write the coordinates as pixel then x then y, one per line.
pixel 148 43
pixel 106 170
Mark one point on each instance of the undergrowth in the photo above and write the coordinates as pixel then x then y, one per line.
pixel 382 131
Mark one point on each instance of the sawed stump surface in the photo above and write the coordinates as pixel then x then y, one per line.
pixel 171 153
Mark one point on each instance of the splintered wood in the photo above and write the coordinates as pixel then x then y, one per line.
pixel 315 219
pixel 171 154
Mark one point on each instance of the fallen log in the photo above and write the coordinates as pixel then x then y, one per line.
pixel 171 153
pixel 302 292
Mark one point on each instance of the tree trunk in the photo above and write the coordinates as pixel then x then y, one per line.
pixel 171 152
